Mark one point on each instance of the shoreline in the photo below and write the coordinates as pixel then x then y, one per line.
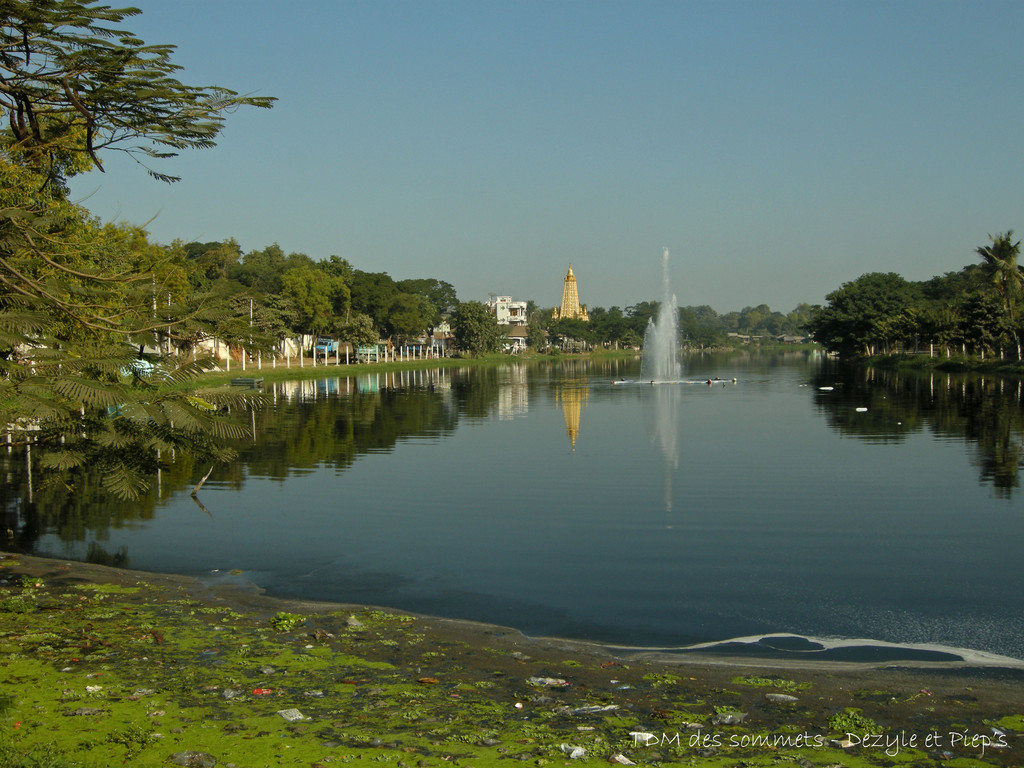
pixel 183 666
pixel 250 596
pixel 730 652
pixel 734 651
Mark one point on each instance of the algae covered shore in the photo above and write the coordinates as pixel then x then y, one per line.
pixel 104 667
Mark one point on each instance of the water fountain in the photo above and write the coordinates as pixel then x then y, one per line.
pixel 660 364
pixel 660 361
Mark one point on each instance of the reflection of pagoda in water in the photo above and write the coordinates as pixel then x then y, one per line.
pixel 572 400
pixel 571 308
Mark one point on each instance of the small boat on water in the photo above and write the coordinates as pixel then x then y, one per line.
pixel 250 382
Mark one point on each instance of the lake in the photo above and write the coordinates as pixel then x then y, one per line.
pixel 798 510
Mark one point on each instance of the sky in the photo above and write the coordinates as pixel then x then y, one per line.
pixel 776 149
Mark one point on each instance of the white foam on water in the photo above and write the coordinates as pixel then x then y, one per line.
pixel 962 656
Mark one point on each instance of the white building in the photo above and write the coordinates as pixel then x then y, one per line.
pixel 506 311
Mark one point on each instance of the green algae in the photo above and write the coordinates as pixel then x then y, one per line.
pixel 286 622
pixel 108 589
pixel 852 720
pixel 659 679
pixel 107 676
pixel 779 683
pixel 1012 722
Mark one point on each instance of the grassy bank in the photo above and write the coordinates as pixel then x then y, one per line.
pixel 281 373
pixel 105 667
pixel 957 364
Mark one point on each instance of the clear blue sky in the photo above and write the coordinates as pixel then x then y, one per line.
pixel 778 149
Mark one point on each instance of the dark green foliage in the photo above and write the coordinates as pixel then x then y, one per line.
pixel 372 294
pixel 565 332
pixel 865 313
pixel 76 85
pixel 440 294
pixel 699 326
pixel 974 311
pixel 78 301
pixel 999 264
pixel 475 329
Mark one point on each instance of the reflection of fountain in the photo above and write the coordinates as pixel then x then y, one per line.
pixel 661 341
pixel 661 363
pixel 664 431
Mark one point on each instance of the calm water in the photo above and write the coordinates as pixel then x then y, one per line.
pixel 547 498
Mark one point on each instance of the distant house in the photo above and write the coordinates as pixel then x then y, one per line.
pixel 441 342
pixel 506 311
pixel 516 338
pixel 743 338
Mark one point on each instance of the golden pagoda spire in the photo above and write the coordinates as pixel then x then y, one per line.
pixel 571 307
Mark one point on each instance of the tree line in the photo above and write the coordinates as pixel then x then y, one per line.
pixel 256 298
pixel 260 297
pixel 977 311
pixel 700 327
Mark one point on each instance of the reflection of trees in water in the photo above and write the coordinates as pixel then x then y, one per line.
pixel 334 432
pixel 315 424
pixel 293 438
pixel 72 503
pixel 475 391
pixel 986 413
pixel 991 418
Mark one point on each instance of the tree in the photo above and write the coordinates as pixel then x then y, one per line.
pixel 800 318
pixel 474 329
pixel 372 294
pixel 706 316
pixel 341 271
pixel 643 311
pixel 941 325
pixel 984 327
pixel 410 314
pixel 77 298
pixel 358 330
pixel 946 298
pixel 314 292
pixel 609 325
pixel 999 263
pixel 213 261
pixel 74 86
pixel 639 316
pixel 439 293
pixel 535 316
pixel 275 316
pixel 861 313
pixel 753 319
pixel 570 332
pixel 262 270
pixel 698 328
pixel 536 337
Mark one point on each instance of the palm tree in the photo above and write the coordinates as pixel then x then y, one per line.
pixel 999 261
